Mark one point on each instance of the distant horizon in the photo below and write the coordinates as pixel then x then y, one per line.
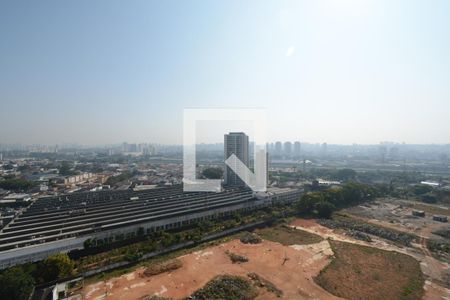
pixel 68 145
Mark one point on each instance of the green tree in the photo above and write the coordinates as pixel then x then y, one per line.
pixel 383 189
pixel 65 169
pixel 324 209
pixel 428 198
pixel 16 184
pixel 15 284
pixel 205 225
pixel 133 255
pixel 421 189
pixel 56 267
pixel 8 167
pixel 89 243
pixel 167 239
pixel 197 235
pixel 322 202
pixel 334 196
pixel 116 179
pixel 352 193
pixel 213 173
pixel 24 168
pixel 307 202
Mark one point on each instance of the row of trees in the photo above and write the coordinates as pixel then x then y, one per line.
pixel 428 194
pixel 17 283
pixel 16 184
pixel 132 247
pixel 323 203
pixel 212 173
pixel 116 179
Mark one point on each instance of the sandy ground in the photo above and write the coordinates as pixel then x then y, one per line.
pixel 294 277
pixel 433 269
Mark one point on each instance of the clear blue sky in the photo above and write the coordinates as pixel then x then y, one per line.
pixel 336 71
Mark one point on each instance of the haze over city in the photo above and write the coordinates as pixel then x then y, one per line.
pixel 224 149
pixel 343 72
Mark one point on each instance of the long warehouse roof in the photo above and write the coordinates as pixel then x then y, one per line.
pixel 82 213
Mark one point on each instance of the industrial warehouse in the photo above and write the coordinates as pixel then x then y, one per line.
pixel 63 223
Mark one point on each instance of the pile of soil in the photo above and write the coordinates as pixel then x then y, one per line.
pixel 236 258
pixel 162 267
pixel 250 238
pixel 226 287
pixel 261 282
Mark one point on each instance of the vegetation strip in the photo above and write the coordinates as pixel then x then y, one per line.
pixel 360 272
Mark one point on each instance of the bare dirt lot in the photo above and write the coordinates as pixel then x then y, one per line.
pixel 290 260
pixel 290 269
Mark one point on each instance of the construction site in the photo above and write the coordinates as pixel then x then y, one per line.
pixel 427 222
pixel 300 260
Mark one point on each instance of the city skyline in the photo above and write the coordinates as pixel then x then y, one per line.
pixel 18 146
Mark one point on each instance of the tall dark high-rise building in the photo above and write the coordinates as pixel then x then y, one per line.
pixel 235 143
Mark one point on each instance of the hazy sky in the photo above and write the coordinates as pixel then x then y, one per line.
pixel 336 71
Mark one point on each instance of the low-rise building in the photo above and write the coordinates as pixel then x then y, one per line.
pixel 13 198
pixel 78 178
pixel 440 218
pixel 430 183
pixel 418 213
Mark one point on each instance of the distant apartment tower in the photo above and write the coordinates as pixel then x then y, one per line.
pixel 235 143
pixel 288 149
pixel 297 148
pixel 278 148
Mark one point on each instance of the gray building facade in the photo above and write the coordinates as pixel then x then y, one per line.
pixel 236 143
